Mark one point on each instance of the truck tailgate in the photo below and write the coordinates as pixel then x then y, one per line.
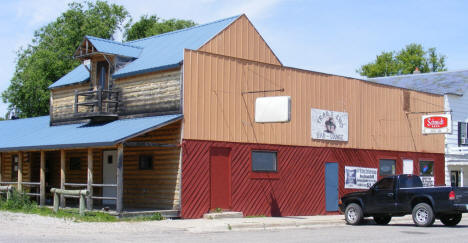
pixel 461 195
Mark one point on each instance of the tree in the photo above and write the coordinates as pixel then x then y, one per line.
pixel 404 62
pixel 49 56
pixel 153 25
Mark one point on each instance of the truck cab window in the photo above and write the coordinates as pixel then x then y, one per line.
pixel 384 184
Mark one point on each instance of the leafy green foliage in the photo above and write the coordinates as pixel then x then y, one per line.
pixel 49 56
pixel 404 61
pixel 153 25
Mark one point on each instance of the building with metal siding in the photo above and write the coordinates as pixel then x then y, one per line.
pixel 210 77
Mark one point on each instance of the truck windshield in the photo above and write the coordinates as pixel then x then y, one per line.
pixel 410 181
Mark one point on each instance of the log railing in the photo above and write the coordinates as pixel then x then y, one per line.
pixel 80 193
pixel 98 100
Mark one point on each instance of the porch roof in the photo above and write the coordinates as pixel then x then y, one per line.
pixel 36 133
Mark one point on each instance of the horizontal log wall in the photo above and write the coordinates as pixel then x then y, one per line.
pixel 63 101
pixel 153 93
pixel 7 167
pixel 156 93
pixel 298 188
pixel 159 187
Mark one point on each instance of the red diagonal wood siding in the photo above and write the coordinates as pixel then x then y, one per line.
pixel 297 189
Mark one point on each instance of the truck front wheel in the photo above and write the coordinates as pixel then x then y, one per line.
pixel 423 215
pixel 451 220
pixel 353 214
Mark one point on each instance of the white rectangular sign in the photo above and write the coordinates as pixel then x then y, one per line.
pixel 433 124
pixel 273 109
pixel 427 181
pixel 329 125
pixel 360 177
pixel 408 166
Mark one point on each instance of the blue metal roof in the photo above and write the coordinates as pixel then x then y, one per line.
pixel 78 75
pixel 114 47
pixel 160 52
pixel 36 133
pixel 451 82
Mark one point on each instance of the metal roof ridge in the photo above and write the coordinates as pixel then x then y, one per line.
pixel 420 74
pixel 114 42
pixel 190 28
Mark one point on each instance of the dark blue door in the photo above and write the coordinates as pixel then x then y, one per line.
pixel 331 186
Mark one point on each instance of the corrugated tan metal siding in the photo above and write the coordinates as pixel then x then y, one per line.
pixel 241 40
pixel 215 107
pixel 298 188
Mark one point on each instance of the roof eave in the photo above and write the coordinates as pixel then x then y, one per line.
pixel 149 70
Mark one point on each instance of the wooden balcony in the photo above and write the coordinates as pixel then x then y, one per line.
pixel 100 105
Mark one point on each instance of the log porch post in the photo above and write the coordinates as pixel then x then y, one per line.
pixel 62 176
pixel 42 188
pixel 89 200
pixel 120 158
pixel 20 172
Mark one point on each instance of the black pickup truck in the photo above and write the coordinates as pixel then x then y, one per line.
pixel 400 195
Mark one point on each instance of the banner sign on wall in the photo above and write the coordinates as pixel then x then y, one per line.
pixel 432 124
pixel 427 181
pixel 408 166
pixel 329 125
pixel 360 177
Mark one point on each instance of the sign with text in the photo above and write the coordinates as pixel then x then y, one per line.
pixel 360 177
pixel 427 181
pixel 433 124
pixel 329 125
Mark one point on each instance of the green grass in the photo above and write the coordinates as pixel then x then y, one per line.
pixel 256 216
pixel 20 203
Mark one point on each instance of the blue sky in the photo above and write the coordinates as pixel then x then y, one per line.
pixel 327 36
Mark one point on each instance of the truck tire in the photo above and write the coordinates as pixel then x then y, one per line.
pixel 451 219
pixel 353 214
pixel 382 220
pixel 423 215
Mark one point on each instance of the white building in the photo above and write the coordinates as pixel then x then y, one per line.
pixel 454 86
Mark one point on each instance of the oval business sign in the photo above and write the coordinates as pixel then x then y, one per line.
pixel 436 122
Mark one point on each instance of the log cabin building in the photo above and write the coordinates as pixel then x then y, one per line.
pixel 208 117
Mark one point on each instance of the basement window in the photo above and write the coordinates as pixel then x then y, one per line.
pixel 264 161
pixel 74 163
pixel 145 162
pixel 387 167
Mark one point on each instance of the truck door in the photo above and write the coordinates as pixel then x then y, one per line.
pixel 382 197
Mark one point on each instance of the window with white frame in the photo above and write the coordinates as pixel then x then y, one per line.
pixel 462 134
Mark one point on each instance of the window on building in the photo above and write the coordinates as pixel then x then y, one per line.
pixel 387 167
pixel 74 163
pixel 426 168
pixel 264 161
pixel 146 162
pixel 462 134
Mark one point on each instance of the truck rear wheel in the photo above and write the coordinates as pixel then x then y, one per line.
pixel 353 214
pixel 451 219
pixel 423 215
pixel 382 220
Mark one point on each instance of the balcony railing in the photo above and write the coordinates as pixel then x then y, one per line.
pixel 99 104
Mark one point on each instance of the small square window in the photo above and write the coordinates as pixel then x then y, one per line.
pixel 75 163
pixel 146 162
pixel 387 167
pixel 264 161
pixel 426 168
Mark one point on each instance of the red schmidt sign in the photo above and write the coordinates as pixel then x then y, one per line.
pixel 435 122
pixel 440 123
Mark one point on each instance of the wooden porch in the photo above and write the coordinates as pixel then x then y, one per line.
pixel 135 188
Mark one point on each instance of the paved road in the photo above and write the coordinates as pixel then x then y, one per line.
pixel 39 231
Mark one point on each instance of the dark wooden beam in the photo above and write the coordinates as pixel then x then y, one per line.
pixel 89 200
pixel 42 188
pixel 150 144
